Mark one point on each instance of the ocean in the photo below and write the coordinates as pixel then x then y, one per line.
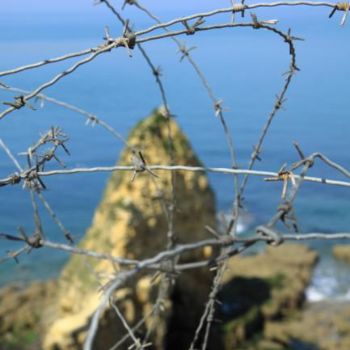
pixel 245 69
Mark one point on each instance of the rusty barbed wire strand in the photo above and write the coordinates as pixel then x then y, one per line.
pixel 217 104
pixel 48 61
pixel 119 281
pixel 136 327
pixel 47 206
pixel 137 342
pixel 91 118
pixel 106 47
pixel 183 248
pixel 209 310
pixel 277 105
pixel 219 113
pixel 170 145
pixel 14 255
pixel 235 8
pixel 31 177
pixel 55 218
pixel 123 41
pixel 122 278
pixel 268 175
pixel 10 155
pixel 239 8
pixel 168 208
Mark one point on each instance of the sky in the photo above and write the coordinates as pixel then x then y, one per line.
pixel 165 9
pixel 66 6
pixel 44 6
pixel 42 11
pixel 65 9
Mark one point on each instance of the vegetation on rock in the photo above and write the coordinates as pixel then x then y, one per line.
pixel 131 222
pixel 261 295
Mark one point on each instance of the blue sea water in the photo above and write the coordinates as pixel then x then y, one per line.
pixel 244 68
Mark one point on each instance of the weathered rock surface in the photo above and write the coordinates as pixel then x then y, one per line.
pixel 262 288
pixel 130 222
pixel 342 252
pixel 261 300
pixel 321 326
pixel 261 296
pixel 21 309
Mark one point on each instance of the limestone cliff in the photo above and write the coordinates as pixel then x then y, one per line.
pixel 131 222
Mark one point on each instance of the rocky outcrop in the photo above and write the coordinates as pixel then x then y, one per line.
pixel 260 293
pixel 263 288
pixel 131 222
pixel 21 309
pixel 260 306
pixel 322 325
pixel 342 252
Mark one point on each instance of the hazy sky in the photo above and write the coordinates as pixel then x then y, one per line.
pixel 166 9
pixel 87 5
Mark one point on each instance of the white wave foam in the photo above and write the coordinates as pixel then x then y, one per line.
pixel 325 288
pixel 245 221
pixel 347 295
pixel 314 295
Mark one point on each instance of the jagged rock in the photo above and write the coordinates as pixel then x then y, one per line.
pixel 322 325
pixel 259 292
pixel 342 252
pixel 130 222
pixel 260 296
pixel 261 288
pixel 21 309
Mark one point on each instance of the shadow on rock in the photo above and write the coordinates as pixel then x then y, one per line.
pixel 241 295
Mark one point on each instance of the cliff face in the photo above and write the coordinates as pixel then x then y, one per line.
pixel 131 222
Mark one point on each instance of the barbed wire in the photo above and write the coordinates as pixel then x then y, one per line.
pixel 229 244
pixel 268 175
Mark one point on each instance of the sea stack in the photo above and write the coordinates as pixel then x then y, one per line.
pixel 131 222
